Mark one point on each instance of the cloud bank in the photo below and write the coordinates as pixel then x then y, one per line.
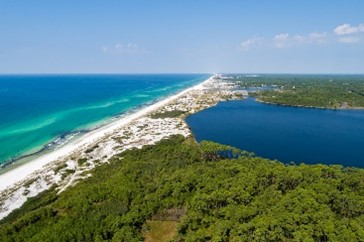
pixel 348 34
pixel 346 29
pixel 285 39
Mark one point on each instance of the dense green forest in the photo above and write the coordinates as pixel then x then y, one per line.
pixel 328 91
pixel 212 193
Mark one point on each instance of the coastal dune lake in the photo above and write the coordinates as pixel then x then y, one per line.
pixel 285 133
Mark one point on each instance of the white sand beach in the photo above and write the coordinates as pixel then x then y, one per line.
pixel 20 173
pixel 71 163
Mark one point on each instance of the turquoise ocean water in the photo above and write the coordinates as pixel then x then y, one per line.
pixel 42 112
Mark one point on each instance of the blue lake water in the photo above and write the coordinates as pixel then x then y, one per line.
pixel 285 133
pixel 38 109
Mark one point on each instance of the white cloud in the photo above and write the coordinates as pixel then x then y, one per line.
pixel 120 48
pixel 317 37
pixel 281 37
pixel 281 40
pixel 298 38
pixel 345 29
pixel 313 37
pixel 348 40
pixel 285 39
pixel 132 46
pixel 250 43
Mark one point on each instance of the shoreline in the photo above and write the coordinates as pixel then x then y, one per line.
pixel 311 107
pixel 47 148
pixel 22 172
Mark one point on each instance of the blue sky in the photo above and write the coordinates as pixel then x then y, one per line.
pixel 47 36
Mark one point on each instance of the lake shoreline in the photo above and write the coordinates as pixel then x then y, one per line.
pixel 312 107
pixel 285 133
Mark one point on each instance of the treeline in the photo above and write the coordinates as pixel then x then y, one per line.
pixel 227 195
pixel 328 91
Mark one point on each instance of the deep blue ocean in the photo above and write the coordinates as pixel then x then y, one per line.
pixel 285 133
pixel 39 111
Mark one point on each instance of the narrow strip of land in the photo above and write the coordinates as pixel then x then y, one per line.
pixel 69 164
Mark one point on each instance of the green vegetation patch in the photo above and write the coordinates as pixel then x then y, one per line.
pixel 168 114
pixel 81 161
pixel 91 149
pixel 60 167
pixel 225 198
pixel 67 172
pixel 30 182
pixel 326 91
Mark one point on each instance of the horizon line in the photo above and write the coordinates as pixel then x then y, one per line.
pixel 182 73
